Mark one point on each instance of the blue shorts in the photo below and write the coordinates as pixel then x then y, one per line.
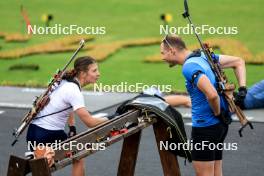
pixel 43 136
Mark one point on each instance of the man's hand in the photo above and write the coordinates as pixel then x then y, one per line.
pixel 240 96
pixel 224 117
pixel 72 131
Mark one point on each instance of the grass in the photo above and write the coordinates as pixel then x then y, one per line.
pixel 128 20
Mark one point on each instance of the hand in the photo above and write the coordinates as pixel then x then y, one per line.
pixel 46 152
pixel 72 131
pixel 224 117
pixel 50 154
pixel 240 96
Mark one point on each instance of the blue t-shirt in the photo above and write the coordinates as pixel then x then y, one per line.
pixel 255 96
pixel 202 114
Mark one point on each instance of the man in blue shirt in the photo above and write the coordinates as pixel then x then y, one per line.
pixel 208 107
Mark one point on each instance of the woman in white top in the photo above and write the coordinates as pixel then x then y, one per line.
pixel 49 124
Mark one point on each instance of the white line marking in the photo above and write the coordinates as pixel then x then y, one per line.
pixel 2 112
pixel 14 105
pixel 93 93
pixel 187 115
pixel 234 117
pixel 33 90
pixel 188 123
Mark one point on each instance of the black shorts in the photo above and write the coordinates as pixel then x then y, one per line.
pixel 37 135
pixel 203 137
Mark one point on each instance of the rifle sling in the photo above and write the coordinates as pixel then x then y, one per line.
pixel 69 80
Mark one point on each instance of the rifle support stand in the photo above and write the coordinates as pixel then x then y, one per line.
pixel 168 160
pixel 128 159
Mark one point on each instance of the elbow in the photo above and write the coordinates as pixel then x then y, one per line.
pixel 240 63
pixel 90 125
pixel 188 103
pixel 212 97
pixel 90 122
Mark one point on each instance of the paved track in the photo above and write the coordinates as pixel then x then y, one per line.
pixel 247 160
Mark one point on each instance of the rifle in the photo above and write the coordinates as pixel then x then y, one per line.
pixel 41 101
pixel 224 87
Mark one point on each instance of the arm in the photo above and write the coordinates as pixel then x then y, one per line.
pixel 71 123
pixel 237 64
pixel 87 118
pixel 194 73
pixel 211 94
pixel 74 97
pixel 178 100
pixel 71 120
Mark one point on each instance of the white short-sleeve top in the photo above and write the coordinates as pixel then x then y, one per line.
pixel 67 94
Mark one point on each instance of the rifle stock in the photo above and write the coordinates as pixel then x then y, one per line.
pixel 227 89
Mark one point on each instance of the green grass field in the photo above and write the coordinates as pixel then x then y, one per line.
pixel 128 20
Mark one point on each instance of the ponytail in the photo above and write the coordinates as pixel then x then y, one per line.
pixel 69 75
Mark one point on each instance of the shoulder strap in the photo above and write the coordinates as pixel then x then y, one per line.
pixel 195 53
pixel 69 80
pixel 73 80
pixel 53 113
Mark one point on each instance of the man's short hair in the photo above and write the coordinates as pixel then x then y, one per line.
pixel 173 41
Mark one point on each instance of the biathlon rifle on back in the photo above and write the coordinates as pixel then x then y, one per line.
pixel 41 101
pixel 224 87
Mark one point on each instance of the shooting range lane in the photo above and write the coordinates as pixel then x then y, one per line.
pixel 22 98
pixel 255 115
